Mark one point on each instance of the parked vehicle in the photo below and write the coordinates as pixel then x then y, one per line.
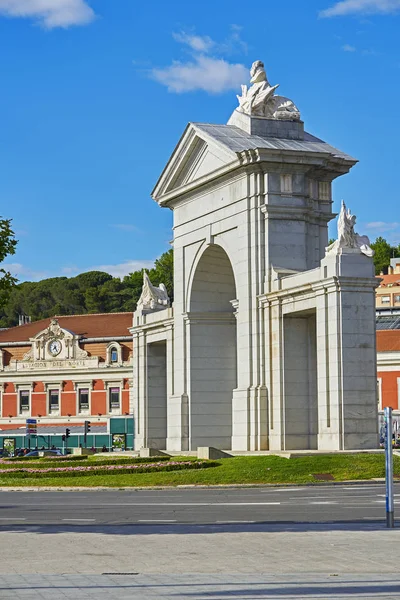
pixel 44 452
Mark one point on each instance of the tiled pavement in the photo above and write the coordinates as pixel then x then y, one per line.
pixel 197 586
pixel 248 562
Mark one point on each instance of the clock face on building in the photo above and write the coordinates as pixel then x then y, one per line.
pixel 54 347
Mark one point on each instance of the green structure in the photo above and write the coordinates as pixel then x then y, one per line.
pixel 118 436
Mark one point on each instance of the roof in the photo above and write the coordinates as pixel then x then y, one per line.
pixel 387 279
pixel 388 341
pixel 388 321
pixel 237 140
pixel 87 326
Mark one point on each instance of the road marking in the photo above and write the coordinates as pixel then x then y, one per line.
pixel 12 519
pixel 72 519
pixel 324 502
pixel 156 520
pixel 233 522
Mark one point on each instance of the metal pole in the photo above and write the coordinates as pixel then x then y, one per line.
pixel 389 468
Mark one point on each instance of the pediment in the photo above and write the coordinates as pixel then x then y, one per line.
pixel 53 331
pixel 195 157
pixel 55 343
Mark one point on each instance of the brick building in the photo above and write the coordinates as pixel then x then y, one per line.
pixel 388 347
pixel 388 292
pixel 65 370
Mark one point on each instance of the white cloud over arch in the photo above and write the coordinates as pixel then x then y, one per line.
pixel 361 7
pixel 49 13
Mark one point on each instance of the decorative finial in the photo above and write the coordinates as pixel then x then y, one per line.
pixel 152 297
pixel 347 237
pixel 260 100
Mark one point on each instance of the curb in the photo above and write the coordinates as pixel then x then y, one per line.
pixel 351 482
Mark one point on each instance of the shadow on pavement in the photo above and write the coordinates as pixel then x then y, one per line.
pixel 247 590
pixel 192 529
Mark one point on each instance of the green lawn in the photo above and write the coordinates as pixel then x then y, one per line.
pixel 238 470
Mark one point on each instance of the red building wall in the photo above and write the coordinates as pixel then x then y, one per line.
pixel 68 399
pixel 99 398
pixel 38 400
pixel 389 388
pixel 9 400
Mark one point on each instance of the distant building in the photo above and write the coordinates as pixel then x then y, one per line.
pixel 388 292
pixel 388 348
pixel 64 371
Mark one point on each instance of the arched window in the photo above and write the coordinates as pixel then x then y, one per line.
pixel 113 355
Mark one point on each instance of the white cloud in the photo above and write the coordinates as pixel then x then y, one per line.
pixel 24 273
pixel 213 75
pixel 206 69
pixel 122 269
pixel 361 7
pixel 49 13
pixel 198 43
pixel 348 48
pixel 382 226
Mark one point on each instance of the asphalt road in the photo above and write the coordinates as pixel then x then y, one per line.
pixel 197 506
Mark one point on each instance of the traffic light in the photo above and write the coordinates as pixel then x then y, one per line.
pixel 67 433
pixel 87 427
pixel 63 438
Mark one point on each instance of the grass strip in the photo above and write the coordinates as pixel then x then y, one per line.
pixel 232 471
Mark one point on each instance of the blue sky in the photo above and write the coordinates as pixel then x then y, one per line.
pixel 96 93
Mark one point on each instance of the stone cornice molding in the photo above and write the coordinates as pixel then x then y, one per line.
pixel 286 212
pixel 53 384
pixel 329 285
pixel 209 317
pixel 83 384
pixel 140 330
pixel 317 163
pixel 386 359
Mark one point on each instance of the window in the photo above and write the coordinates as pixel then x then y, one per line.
pixel 54 400
pixel 397 299
pixel 385 299
pixel 324 191
pixel 286 184
pixel 114 354
pixel 114 398
pixel 83 399
pixel 24 397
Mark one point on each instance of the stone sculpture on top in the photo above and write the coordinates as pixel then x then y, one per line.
pixel 260 100
pixel 347 237
pixel 152 297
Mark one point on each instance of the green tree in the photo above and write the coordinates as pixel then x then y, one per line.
pixel 90 292
pixel 383 254
pixel 8 244
pixel 163 271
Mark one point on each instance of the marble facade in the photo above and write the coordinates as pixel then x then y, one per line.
pixel 270 342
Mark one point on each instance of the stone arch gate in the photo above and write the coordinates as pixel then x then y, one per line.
pixel 270 343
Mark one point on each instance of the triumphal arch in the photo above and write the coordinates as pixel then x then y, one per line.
pixel 270 342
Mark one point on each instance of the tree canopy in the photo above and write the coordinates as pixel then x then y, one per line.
pixel 8 244
pixel 92 292
pixel 383 253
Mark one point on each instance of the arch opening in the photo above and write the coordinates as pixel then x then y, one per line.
pixel 212 369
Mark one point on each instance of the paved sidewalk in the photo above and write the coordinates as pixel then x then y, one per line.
pixel 194 586
pixel 249 562
pixel 163 549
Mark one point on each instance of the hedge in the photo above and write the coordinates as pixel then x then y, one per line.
pixel 6 465
pixel 112 469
